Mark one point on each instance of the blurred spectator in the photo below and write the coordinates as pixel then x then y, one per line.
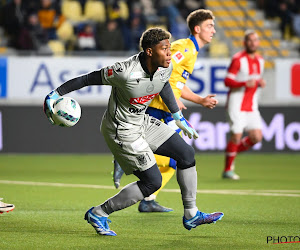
pixel 137 24
pixel 113 9
pixel 13 21
pixel 286 16
pixel 168 9
pixel 110 36
pixel 114 13
pixel 187 6
pixel 86 38
pixel 270 7
pixel 286 10
pixel 50 17
pixel 296 23
pixel 32 35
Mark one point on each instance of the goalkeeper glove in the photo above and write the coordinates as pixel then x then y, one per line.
pixel 48 105
pixel 183 124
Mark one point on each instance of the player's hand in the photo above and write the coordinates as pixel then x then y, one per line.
pixel 209 101
pixel 48 105
pixel 183 124
pixel 251 83
pixel 180 104
pixel 262 83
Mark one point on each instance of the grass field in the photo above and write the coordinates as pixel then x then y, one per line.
pixel 265 202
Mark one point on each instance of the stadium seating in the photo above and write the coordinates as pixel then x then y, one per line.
pixel 234 17
pixel 57 47
pixel 95 11
pixel 66 31
pixel 72 10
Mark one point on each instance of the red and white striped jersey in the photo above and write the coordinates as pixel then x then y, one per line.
pixel 243 68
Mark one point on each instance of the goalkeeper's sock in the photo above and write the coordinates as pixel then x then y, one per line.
pixel 189 213
pixel 99 211
pixel 128 195
pixel 187 180
pixel 230 154
pixel 150 198
pixel 245 144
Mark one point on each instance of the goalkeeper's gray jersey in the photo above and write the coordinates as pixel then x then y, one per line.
pixel 132 90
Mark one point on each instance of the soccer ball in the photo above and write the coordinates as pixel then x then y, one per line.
pixel 66 112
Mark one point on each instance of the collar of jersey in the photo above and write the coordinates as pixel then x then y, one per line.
pixel 194 41
pixel 144 66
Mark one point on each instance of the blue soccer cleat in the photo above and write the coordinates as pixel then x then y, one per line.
pixel 152 206
pixel 201 218
pixel 100 223
pixel 117 174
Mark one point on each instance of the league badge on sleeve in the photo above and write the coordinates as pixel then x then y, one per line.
pixel 109 73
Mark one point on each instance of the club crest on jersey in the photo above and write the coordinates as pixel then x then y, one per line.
pixel 143 99
pixel 110 73
pixel 178 57
pixel 162 75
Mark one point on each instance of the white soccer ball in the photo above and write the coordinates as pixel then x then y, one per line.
pixel 66 112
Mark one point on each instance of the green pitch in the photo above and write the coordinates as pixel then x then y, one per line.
pixel 265 202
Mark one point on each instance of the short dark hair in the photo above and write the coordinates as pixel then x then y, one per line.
pixel 153 36
pixel 197 17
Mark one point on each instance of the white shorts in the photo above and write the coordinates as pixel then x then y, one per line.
pixel 133 148
pixel 244 121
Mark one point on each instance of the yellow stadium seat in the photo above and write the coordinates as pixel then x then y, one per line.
pixel 95 10
pixel 218 49
pixel 57 47
pixel 72 10
pixel 124 11
pixel 66 31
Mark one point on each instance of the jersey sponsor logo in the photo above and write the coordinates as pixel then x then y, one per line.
pixel 136 110
pixel 185 74
pixel 143 99
pixel 178 57
pixel 110 73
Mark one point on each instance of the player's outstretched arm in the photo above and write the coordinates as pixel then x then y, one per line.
pixel 208 101
pixel 79 82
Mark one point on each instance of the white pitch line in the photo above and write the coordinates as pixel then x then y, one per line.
pixel 282 193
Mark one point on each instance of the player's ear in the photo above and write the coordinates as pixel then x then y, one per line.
pixel 197 29
pixel 149 52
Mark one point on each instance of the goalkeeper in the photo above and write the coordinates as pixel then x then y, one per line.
pixel 184 55
pixel 133 136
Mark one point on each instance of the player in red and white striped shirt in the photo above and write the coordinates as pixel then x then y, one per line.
pixel 244 77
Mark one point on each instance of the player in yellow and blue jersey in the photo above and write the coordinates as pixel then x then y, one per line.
pixel 184 55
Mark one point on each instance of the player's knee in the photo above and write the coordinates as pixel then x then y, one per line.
pixel 150 187
pixel 255 138
pixel 150 180
pixel 187 157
